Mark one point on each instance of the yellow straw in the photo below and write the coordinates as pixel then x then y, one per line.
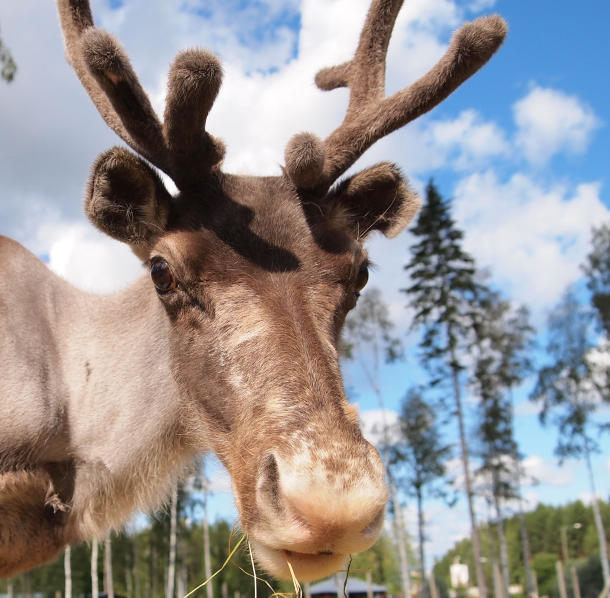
pixel 219 570
pixel 253 569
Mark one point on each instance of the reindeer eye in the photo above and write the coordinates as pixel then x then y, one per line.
pixel 362 278
pixel 162 276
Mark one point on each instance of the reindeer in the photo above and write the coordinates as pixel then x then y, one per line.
pixel 229 343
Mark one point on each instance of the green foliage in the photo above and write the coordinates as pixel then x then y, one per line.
pixel 8 68
pixel 381 561
pixel 543 564
pixel 597 271
pixel 543 524
pixel 590 577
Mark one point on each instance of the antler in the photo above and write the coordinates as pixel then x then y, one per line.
pixel 370 115
pixel 181 147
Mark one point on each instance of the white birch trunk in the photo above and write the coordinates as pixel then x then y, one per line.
pixel 599 525
pixel 207 560
pixel 474 530
pixel 67 573
pixel 108 582
pixel 171 569
pixel 95 590
pixel 501 536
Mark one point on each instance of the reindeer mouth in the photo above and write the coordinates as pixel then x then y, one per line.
pixel 306 566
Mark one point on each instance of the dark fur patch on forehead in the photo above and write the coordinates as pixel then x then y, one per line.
pixel 243 218
pixel 264 220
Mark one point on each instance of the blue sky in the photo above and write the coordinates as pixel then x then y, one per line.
pixel 522 148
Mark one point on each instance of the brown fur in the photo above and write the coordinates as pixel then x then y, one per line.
pixel 29 509
pixel 230 344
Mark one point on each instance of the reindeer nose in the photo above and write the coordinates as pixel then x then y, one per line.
pixel 325 506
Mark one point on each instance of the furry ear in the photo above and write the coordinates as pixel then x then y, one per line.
pixel 126 199
pixel 378 198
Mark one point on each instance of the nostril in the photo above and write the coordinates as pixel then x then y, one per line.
pixel 373 527
pixel 269 482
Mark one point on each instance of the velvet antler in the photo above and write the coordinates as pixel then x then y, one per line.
pixel 180 147
pixel 370 115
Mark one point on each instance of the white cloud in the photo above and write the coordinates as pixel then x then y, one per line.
pixel 87 258
pixel 376 423
pixel 550 121
pixel 532 237
pixel 546 472
pixel 219 479
pixel 531 499
pixel 527 408
pixel 586 498
pixel 467 141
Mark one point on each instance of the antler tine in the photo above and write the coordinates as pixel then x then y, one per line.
pixel 365 73
pixel 106 74
pixel 370 116
pixel 194 82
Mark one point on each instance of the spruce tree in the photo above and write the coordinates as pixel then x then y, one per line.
pixel 443 293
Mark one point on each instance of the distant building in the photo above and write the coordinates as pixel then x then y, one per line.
pixel 355 588
pixel 458 573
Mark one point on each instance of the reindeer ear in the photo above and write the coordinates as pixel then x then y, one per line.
pixel 378 198
pixel 126 199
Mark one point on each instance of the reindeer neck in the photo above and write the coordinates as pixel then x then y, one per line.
pixel 117 368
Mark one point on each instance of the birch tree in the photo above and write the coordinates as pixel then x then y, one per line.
pixel 502 359
pixel 569 396
pixel 173 536
pixel 422 456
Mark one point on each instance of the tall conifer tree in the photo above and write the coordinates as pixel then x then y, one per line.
pixel 443 293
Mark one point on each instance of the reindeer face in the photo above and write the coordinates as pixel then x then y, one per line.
pixel 256 291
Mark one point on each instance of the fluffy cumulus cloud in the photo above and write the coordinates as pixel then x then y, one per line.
pixel 550 121
pixel 467 141
pixel 544 472
pixel 87 258
pixel 380 426
pixel 533 236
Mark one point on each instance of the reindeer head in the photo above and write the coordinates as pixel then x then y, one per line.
pixel 255 275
